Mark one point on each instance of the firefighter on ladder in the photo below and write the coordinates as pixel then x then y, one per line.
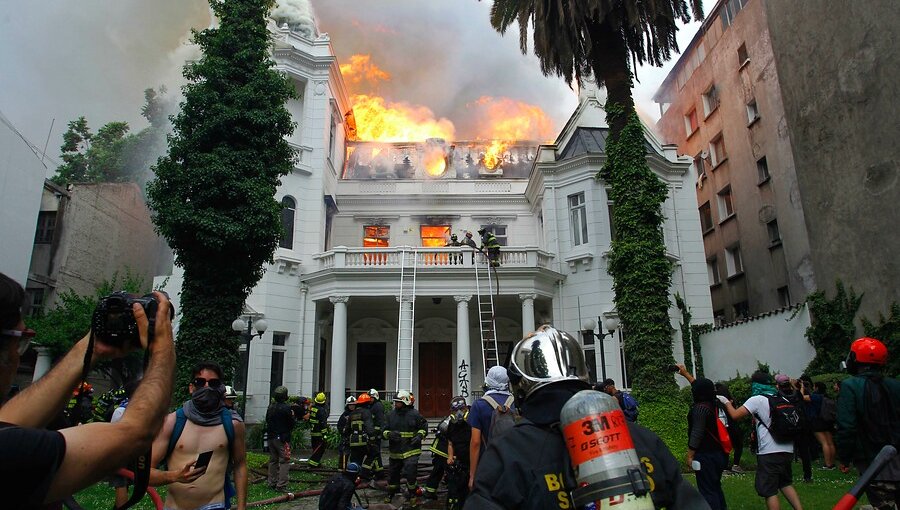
pixel 490 244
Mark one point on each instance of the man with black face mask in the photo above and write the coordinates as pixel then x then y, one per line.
pixel 203 424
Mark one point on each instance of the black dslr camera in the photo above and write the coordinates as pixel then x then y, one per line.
pixel 113 320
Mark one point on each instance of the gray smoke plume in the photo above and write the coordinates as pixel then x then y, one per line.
pixel 298 15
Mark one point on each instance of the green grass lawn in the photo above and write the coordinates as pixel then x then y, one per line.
pixel 827 488
pixel 101 496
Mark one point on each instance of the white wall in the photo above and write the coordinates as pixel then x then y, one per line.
pixel 776 339
pixel 21 182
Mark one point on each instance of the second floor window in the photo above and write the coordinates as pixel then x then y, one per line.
pixel 499 232
pixel 578 218
pixel 376 236
pixel 434 236
pixel 46 226
pixel 288 210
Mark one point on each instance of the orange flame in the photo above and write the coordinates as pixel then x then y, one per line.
pixel 361 69
pixel 381 121
pixel 435 162
pixel 502 118
pixel 494 154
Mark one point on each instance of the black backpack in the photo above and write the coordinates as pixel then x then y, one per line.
pixel 787 418
pixel 879 421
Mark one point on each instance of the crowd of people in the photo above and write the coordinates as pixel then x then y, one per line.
pixel 516 446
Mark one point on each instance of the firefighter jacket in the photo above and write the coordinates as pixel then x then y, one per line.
pixel 280 421
pixel 489 242
pixel 359 427
pixel 404 429
pixel 377 411
pixel 439 445
pixel 529 466
pixel 342 426
pixel 318 418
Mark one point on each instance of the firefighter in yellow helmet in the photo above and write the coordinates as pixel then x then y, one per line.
pixel 491 245
pixel 318 418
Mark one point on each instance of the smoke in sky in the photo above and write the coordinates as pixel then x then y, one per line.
pixel 62 59
pixel 298 14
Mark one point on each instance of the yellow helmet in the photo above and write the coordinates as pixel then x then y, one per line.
pixel 320 398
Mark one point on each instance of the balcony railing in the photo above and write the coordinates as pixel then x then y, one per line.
pixel 342 257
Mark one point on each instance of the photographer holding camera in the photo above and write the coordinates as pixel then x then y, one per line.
pixel 38 466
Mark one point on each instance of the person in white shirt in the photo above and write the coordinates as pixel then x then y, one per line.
pixel 773 459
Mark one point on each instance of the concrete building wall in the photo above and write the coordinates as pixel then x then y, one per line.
pixel 21 180
pixel 839 68
pixel 776 339
pixel 106 229
pixel 774 272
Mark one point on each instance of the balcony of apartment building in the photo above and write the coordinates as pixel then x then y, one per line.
pixel 438 271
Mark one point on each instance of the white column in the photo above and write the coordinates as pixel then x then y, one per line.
pixel 527 313
pixel 463 348
pixel 338 355
pixel 44 360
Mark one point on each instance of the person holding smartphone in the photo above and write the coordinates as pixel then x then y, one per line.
pixel 195 477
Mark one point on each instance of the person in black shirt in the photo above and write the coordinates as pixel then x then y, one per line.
pixel 459 436
pixel 279 425
pixel 339 490
pixel 703 443
pixel 40 466
pixel 529 467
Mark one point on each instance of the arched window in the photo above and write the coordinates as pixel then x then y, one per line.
pixel 288 208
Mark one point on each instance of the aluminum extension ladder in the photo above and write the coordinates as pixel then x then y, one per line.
pixel 486 322
pixel 406 322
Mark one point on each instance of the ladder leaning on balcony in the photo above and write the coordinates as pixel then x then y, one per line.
pixel 486 323
pixel 406 322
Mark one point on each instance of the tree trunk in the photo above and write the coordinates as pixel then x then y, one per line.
pixel 612 70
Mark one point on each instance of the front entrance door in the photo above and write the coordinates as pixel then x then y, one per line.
pixel 435 379
pixel 371 359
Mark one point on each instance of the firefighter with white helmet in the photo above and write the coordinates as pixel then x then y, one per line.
pixel 404 429
pixel 344 443
pixel 529 467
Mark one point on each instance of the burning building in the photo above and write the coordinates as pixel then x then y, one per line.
pixel 365 291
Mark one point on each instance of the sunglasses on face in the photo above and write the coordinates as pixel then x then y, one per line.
pixel 23 336
pixel 200 382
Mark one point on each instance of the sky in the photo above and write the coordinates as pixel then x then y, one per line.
pixel 61 59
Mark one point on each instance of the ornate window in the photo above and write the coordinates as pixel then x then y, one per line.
pixel 288 210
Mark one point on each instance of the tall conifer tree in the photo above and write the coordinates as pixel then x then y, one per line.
pixel 213 195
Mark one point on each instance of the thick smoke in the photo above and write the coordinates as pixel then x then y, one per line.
pixel 298 14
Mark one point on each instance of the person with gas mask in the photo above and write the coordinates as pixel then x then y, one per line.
pixel 530 466
pixel 867 418
pixel 203 424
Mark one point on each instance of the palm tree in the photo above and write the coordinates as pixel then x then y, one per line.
pixel 574 39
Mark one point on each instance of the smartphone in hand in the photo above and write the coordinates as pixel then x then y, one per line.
pixel 203 460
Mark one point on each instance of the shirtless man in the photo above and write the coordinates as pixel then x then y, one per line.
pixel 202 488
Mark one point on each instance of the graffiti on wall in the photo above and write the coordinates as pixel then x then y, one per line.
pixel 462 379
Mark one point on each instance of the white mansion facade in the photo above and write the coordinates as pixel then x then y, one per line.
pixel 357 211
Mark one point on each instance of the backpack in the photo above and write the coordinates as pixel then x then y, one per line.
pixel 629 407
pixel 721 436
pixel 828 411
pixel 879 421
pixel 787 418
pixel 181 421
pixel 502 418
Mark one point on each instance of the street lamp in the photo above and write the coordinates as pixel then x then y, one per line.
pixel 611 323
pixel 245 328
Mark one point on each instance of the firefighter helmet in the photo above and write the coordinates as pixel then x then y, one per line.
pixel 545 357
pixel 353 467
pixel 320 398
pixel 374 393
pixel 482 231
pixel 230 393
pixel 365 398
pixel 868 351
pixel 404 396
pixel 351 400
